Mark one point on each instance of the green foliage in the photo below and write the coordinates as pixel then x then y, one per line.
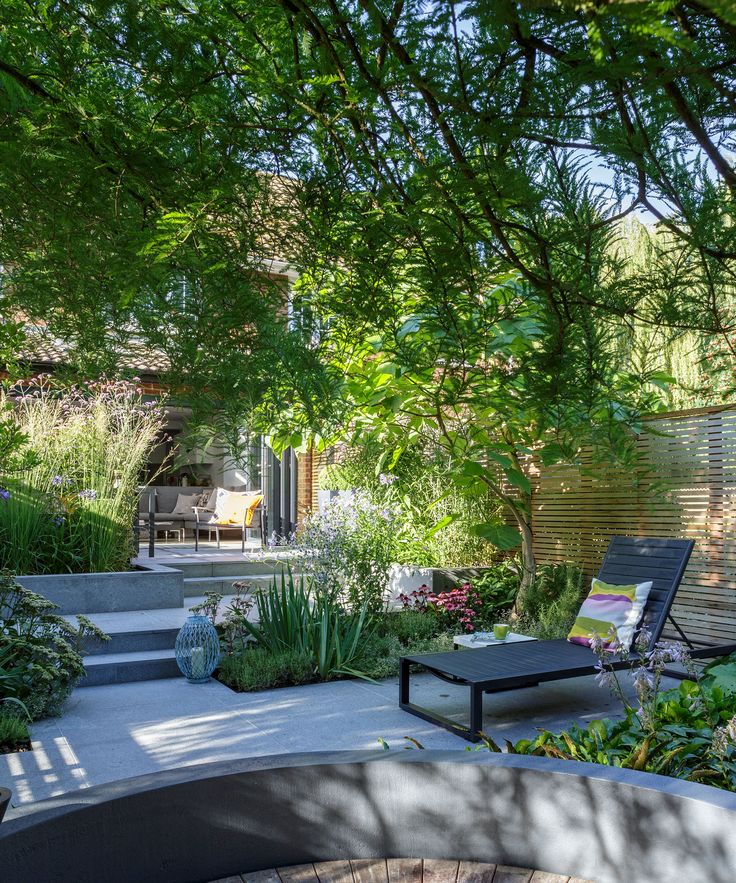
pixel 71 510
pixel 549 606
pixel 497 589
pixel 690 735
pixel 291 618
pixel 41 655
pixel 721 673
pixel 260 669
pixel 377 654
pixel 409 627
pixel 13 732
pixel 381 652
pixel 432 516
pixel 347 549
pixel 144 184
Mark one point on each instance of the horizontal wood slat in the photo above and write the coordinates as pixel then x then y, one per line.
pixel 684 487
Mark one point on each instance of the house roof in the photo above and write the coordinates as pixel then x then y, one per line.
pixel 43 349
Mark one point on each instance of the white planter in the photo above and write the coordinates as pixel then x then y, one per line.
pixel 404 578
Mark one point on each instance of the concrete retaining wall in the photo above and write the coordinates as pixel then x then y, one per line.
pixel 210 821
pixel 146 588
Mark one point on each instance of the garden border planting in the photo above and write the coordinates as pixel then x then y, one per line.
pixel 208 821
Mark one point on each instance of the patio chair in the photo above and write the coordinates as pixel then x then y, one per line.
pixel 235 511
pixel 512 666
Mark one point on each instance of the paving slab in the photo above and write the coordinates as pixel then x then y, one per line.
pixel 113 732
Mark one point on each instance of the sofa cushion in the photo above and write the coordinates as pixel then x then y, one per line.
pixel 184 504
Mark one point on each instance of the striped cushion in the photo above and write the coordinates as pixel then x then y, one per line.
pixel 612 612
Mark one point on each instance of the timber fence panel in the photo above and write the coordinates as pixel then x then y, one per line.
pixel 684 486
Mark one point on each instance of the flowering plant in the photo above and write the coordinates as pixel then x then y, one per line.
pixel 417 599
pixel 347 549
pixel 458 607
pixel 688 732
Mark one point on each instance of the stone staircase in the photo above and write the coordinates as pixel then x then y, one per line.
pixel 141 645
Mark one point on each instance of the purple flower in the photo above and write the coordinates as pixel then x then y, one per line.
pixel 4 495
pixel 387 479
pixel 57 520
pixel 57 480
pixel 88 494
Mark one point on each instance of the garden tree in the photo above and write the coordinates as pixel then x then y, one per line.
pixel 492 381
pixel 135 215
pixel 444 154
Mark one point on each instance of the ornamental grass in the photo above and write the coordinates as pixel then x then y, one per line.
pixel 72 509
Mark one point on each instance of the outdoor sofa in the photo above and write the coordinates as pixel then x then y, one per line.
pixel 512 666
pixel 179 508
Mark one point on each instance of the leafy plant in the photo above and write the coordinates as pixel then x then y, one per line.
pixel 497 588
pixel 688 732
pixel 432 517
pixel 721 673
pixel 13 732
pixel 347 550
pixel 552 601
pixel 41 657
pixel 260 669
pixel 291 618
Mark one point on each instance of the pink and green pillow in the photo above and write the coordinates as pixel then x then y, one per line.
pixel 612 613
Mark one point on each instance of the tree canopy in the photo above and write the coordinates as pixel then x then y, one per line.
pixel 449 179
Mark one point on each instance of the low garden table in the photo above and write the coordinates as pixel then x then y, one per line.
pixel 486 639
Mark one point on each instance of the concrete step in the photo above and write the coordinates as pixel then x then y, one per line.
pixel 134 641
pixel 136 631
pixel 123 668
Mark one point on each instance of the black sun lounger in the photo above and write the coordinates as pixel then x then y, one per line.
pixel 525 664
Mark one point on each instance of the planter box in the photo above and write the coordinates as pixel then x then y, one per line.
pixel 146 588
pixel 404 578
pixel 446 578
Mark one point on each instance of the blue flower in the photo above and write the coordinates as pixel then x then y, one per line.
pixel 57 480
pixel 88 494
pixel 57 520
pixel 4 495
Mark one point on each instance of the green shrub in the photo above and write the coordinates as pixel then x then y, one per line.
pixel 690 735
pixel 496 589
pixel 13 732
pixel 256 669
pixel 403 633
pixel 41 657
pixel 410 626
pixel 291 618
pixel 419 493
pixel 552 602
pixel 348 548
pixel 70 510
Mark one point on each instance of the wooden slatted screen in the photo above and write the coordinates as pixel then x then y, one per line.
pixel 685 487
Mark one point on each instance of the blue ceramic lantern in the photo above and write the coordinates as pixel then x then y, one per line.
pixel 197 649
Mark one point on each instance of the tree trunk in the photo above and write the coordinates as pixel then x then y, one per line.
pixel 528 561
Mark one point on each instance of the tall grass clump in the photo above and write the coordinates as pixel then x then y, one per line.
pixel 71 509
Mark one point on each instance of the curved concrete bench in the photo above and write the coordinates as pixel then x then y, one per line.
pixel 210 821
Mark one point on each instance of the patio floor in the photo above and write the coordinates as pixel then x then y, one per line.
pixel 114 732
pixel 173 553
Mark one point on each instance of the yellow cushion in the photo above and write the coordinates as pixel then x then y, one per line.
pixel 235 507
